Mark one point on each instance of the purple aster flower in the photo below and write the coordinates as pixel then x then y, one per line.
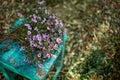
pixel 48 28
pixel 56 22
pixel 34 16
pixel 55 47
pixel 47 56
pixel 58 40
pixel 39 65
pixel 39 55
pixel 44 36
pixel 29 28
pixel 41 2
pixel 40 43
pixel 31 43
pixel 35 45
pixel 50 17
pixel 43 21
pixel 34 20
pixel 65 30
pixel 53 16
pixel 27 25
pixel 39 38
pixel 20 15
pixel 36 11
pixel 34 37
pixel 36 29
pixel 28 32
pixel 61 24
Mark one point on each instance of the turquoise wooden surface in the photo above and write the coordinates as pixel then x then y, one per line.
pixel 12 58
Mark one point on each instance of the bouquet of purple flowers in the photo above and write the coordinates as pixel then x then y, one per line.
pixel 39 34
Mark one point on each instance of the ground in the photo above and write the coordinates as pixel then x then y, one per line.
pixel 92 49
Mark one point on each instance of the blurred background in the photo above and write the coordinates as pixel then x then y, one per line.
pixel 93 29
